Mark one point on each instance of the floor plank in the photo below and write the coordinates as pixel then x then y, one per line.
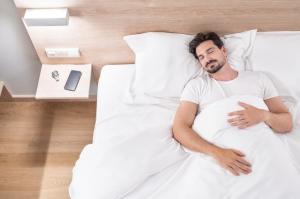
pixel 39 144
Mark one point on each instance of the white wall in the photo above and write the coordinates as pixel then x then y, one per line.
pixel 19 62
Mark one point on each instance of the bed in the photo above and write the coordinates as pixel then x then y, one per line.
pixel 111 87
pixel 114 81
pixel 122 162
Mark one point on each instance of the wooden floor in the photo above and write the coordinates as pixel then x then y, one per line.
pixel 39 144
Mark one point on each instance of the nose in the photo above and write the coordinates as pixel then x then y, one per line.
pixel 206 60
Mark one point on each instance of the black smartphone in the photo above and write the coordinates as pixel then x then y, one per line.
pixel 72 80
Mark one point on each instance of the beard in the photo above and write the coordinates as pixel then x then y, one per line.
pixel 215 67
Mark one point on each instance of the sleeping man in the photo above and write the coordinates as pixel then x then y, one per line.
pixel 232 123
pixel 221 82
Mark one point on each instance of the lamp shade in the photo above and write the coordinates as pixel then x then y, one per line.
pixel 46 17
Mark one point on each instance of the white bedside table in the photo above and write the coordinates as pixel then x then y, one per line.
pixel 49 88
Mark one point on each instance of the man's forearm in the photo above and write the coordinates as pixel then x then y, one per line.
pixel 279 122
pixel 191 140
pixel 230 159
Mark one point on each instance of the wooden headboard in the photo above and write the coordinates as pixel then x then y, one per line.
pixel 97 26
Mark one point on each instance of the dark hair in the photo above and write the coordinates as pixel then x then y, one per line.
pixel 201 37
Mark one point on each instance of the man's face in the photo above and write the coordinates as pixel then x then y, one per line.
pixel 211 58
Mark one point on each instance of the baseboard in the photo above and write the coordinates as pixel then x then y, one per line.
pixel 23 96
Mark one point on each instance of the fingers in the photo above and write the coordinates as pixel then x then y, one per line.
pixel 239 123
pixel 244 162
pixel 234 172
pixel 239 153
pixel 242 104
pixel 236 113
pixel 242 167
pixel 236 169
pixel 243 126
pixel 234 161
pixel 239 169
pixel 241 112
pixel 236 119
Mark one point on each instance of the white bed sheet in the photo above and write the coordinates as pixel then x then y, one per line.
pixel 111 143
pixel 112 85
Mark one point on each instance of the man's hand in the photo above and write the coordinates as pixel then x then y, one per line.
pixel 232 160
pixel 248 117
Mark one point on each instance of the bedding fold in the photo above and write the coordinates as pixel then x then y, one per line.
pixel 133 156
pixel 127 148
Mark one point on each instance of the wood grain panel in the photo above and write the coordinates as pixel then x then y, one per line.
pixel 39 144
pixel 97 26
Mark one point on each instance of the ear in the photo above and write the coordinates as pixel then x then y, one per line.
pixel 224 50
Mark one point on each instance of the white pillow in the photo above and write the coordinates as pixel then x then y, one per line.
pixel 239 47
pixel 276 53
pixel 164 64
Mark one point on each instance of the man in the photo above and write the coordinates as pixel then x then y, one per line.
pixel 224 81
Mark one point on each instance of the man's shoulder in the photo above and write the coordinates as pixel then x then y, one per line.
pixel 252 74
pixel 199 80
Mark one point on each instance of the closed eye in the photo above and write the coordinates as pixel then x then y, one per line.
pixel 211 50
pixel 200 57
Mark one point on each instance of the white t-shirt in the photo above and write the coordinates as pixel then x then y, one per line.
pixel 205 90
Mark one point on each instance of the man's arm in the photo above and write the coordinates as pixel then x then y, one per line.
pixel 182 131
pixel 278 117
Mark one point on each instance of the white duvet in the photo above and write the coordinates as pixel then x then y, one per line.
pixel 133 156
pixel 127 148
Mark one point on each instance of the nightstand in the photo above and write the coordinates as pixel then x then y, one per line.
pixel 50 87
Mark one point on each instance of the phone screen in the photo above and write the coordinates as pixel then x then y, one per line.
pixel 72 80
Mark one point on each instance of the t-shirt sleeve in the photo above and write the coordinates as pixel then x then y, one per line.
pixel 269 90
pixel 190 92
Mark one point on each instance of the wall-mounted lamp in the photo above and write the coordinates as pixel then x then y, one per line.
pixel 46 17
pixel 62 52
